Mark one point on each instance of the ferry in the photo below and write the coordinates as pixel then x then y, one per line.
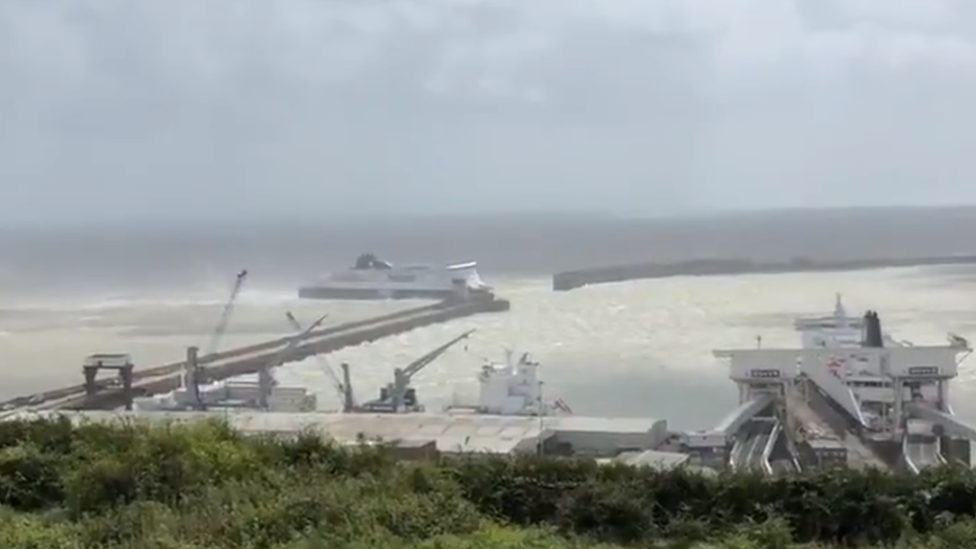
pixel 372 278
pixel 839 330
pixel 861 386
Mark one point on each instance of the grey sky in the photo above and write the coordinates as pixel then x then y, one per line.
pixel 642 107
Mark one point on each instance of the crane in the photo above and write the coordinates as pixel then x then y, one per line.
pixel 218 334
pixel 336 384
pixel 265 380
pixel 398 396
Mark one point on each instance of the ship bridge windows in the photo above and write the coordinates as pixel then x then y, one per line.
pixel 402 278
pixel 831 323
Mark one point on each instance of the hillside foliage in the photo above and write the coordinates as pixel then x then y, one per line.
pixel 207 487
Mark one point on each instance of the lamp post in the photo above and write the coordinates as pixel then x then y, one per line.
pixel 541 413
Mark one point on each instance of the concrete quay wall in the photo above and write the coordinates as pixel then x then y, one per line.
pixel 250 359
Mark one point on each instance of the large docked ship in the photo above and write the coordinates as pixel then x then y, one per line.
pixel 374 279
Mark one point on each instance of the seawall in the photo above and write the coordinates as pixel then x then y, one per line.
pixel 250 359
pixel 570 280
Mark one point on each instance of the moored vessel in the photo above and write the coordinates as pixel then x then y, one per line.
pixel 371 278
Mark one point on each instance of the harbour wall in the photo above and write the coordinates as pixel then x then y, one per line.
pixel 570 280
pixel 108 393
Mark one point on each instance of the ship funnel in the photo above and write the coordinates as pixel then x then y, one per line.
pixel 872 336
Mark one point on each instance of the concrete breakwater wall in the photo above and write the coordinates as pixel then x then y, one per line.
pixel 570 280
pixel 248 360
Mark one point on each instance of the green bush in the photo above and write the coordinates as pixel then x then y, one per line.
pixel 131 485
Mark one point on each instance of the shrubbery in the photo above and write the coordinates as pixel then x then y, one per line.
pixel 206 487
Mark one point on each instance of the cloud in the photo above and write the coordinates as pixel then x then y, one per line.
pixel 479 46
pixel 673 104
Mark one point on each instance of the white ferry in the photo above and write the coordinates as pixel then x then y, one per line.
pixel 838 330
pixel 862 386
pixel 372 278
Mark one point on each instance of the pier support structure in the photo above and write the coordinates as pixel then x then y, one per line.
pixel 194 376
pixel 120 363
pixel 920 378
pixel 764 380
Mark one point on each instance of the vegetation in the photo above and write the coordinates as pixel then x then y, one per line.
pixel 207 487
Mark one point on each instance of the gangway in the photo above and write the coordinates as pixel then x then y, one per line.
pixel 767 453
pixel 737 418
pixel 751 451
pixel 921 452
pixel 952 425
pixel 815 366
pixel 764 378
pixel 789 463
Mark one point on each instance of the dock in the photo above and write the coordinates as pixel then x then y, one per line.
pixel 866 405
pixel 110 393
pixel 462 433
pixel 571 280
pixel 821 422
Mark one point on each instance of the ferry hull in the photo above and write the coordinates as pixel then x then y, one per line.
pixel 371 294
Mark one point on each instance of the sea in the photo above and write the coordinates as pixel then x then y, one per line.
pixel 637 348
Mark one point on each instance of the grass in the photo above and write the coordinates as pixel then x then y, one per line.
pixel 207 487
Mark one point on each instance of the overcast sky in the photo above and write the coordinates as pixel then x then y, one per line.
pixel 325 107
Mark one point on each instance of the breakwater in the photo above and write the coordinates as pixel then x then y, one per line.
pixel 109 393
pixel 570 280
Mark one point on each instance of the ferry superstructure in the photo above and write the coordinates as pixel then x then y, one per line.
pixel 839 400
pixel 836 330
pixel 868 394
pixel 371 278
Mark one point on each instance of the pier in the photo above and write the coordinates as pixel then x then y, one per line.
pixel 130 382
pixel 571 280
pixel 849 396
pixel 880 404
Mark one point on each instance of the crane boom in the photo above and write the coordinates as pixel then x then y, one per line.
pixel 215 338
pixel 322 362
pixel 416 366
pixel 218 333
pixel 296 339
pixel 265 380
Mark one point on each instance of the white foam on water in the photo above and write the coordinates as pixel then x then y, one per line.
pixel 641 347
pixel 169 299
